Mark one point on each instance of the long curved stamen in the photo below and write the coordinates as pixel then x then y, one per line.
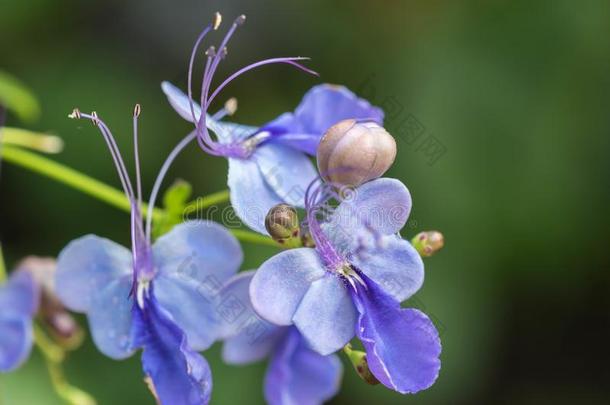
pixel 214 24
pixel 136 153
pixel 228 109
pixel 286 60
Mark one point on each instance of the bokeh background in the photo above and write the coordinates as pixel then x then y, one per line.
pixel 516 93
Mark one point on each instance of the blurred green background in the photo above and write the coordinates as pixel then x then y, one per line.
pixel 516 93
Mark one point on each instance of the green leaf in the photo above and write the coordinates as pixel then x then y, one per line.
pixel 175 200
pixel 37 141
pixel 15 96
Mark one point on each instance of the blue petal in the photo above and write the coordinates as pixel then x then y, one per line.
pixel 194 259
pixel 247 337
pixel 20 295
pixel 281 282
pixel 251 196
pixel 225 131
pixel 85 266
pixel 110 319
pixel 379 206
pixel 179 375
pixel 402 345
pixel 298 375
pixel 287 171
pixel 326 316
pixel 15 341
pixel 393 264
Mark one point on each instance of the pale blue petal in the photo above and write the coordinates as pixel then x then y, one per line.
pixel 281 282
pixel 225 131
pixel 20 294
pixel 326 317
pixel 85 266
pixel 393 264
pixel 251 196
pixel 190 304
pixel 247 337
pixel 15 341
pixel 110 316
pixel 287 171
pixel 380 206
pixel 201 250
pixel 299 376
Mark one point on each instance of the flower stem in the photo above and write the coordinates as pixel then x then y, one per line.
pixel 111 195
pixel 2 266
pixel 69 177
pixel 54 355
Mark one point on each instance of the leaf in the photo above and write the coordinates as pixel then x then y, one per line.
pixel 175 201
pixel 37 141
pixel 16 97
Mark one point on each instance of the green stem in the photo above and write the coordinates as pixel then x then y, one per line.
pixel 54 355
pixel 251 237
pixel 70 177
pixel 2 266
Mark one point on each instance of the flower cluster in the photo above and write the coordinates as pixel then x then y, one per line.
pixel 342 274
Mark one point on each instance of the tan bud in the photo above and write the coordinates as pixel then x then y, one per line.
pixel 352 153
pixel 282 223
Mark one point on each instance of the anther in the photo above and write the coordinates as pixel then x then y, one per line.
pixel 211 52
pixel 224 52
pixel 217 20
pixel 94 118
pixel 75 114
pixel 240 20
pixel 137 110
pixel 231 106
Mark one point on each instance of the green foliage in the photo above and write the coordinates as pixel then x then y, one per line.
pixel 18 98
pixel 175 200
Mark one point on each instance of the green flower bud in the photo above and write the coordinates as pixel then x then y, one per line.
pixel 361 365
pixel 282 223
pixel 351 153
pixel 429 242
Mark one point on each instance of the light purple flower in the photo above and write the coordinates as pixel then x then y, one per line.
pixel 19 298
pixel 156 297
pixel 295 374
pixel 352 284
pixel 268 165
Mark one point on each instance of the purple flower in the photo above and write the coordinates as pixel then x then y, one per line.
pixel 157 297
pixel 352 283
pixel 295 374
pixel 268 165
pixel 19 298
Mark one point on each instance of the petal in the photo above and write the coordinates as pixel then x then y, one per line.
pixel 251 196
pixel 298 375
pixel 248 338
pixel 20 294
pixel 190 304
pixel 15 341
pixel 394 265
pixel 287 171
pixel 110 319
pixel 325 105
pixel 326 316
pixel 179 375
pixel 203 251
pixel 402 345
pixel 303 142
pixel 382 205
pixel 85 266
pixel 281 282
pixel 225 131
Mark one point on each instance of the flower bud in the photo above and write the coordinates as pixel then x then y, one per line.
pixel 282 223
pixel 352 153
pixel 361 365
pixel 57 320
pixel 429 242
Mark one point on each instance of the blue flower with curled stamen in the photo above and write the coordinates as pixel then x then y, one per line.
pixel 352 284
pixel 156 297
pixel 296 374
pixel 268 165
pixel 19 298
